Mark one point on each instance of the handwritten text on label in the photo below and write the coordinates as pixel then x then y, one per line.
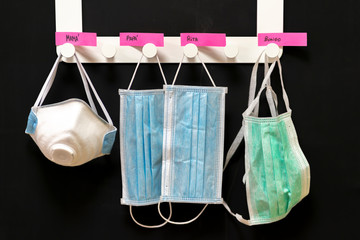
pixel 71 38
pixel 192 39
pixel 283 39
pixel 140 39
pixel 76 38
pixel 270 39
pixel 204 39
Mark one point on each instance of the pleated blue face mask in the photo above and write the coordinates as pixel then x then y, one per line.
pixel 193 144
pixel 277 173
pixel 141 140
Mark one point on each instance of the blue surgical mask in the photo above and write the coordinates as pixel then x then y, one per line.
pixel 277 173
pixel 193 144
pixel 141 141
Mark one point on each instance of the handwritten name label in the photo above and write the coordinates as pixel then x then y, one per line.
pixel 204 39
pixel 140 39
pixel 270 39
pixel 191 39
pixel 72 38
pixel 132 38
pixel 76 38
pixel 283 39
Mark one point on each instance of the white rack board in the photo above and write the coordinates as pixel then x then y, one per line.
pixel 269 20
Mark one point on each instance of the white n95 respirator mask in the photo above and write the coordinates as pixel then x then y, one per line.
pixel 70 133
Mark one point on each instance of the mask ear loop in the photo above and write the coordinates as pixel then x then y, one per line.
pixel 271 96
pixel 180 223
pixel 178 70
pixel 48 83
pixel 85 83
pixel 264 85
pixel 137 67
pixel 134 74
pixel 50 80
pixel 161 70
pixel 153 226
pixel 203 64
pixel 108 118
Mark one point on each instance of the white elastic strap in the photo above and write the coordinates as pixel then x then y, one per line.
pixel 202 62
pixel 207 71
pixel 237 216
pixel 108 118
pixel 255 102
pixel 150 226
pixel 285 96
pixel 180 223
pixel 271 96
pixel 137 67
pixel 178 70
pixel 253 81
pixel 86 86
pixel 48 87
pixel 238 139
pixel 272 101
pixel 263 86
pixel 134 74
pixel 161 70
pixel 49 82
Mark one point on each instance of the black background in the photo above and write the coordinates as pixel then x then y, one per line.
pixel 41 200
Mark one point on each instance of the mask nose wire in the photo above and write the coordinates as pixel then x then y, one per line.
pixel 151 226
pixel 180 223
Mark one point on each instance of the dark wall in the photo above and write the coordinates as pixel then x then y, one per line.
pixel 41 200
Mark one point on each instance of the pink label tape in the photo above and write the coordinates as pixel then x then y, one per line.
pixel 204 39
pixel 283 39
pixel 140 39
pixel 76 38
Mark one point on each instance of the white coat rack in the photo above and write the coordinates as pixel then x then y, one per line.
pixel 108 49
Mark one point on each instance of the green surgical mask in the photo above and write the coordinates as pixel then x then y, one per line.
pixel 277 173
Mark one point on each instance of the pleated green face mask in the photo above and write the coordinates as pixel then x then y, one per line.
pixel 277 173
